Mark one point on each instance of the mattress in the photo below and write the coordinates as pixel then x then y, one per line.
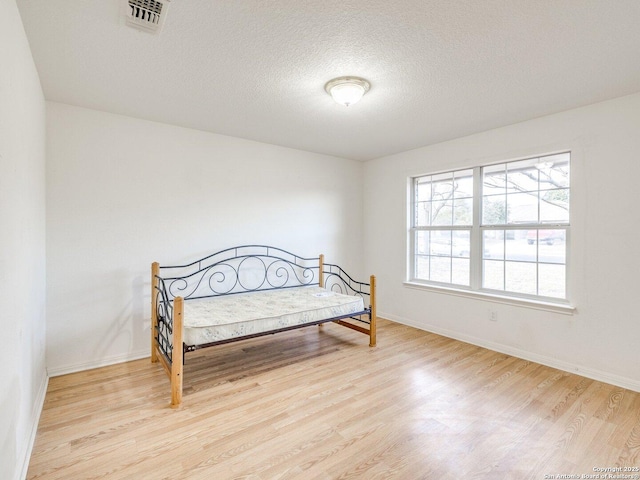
pixel 214 319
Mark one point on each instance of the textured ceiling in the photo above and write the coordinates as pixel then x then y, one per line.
pixel 439 69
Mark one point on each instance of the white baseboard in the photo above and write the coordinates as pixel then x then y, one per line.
pixel 103 362
pixel 606 377
pixel 37 411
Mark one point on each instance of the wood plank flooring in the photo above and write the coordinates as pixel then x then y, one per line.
pixel 318 403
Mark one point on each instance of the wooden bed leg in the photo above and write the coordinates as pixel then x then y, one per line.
pixel 372 326
pixel 155 270
pixel 177 353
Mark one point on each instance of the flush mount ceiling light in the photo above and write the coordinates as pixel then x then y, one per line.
pixel 347 90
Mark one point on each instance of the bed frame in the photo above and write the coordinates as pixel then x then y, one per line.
pixel 238 270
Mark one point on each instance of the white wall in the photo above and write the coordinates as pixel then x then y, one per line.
pixel 23 376
pixel 123 192
pixel 601 339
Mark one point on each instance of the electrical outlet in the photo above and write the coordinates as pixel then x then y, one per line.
pixel 493 315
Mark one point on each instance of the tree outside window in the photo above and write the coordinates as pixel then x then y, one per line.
pixel 514 243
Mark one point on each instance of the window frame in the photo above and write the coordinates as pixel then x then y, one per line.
pixel 477 229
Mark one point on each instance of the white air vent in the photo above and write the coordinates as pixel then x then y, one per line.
pixel 147 15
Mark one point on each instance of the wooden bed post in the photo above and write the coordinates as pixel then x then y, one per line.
pixel 177 353
pixel 155 270
pixel 321 272
pixel 372 325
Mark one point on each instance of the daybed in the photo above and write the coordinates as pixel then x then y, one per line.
pixel 245 292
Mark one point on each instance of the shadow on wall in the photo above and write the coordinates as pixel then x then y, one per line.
pixel 129 323
pixel 141 323
pixel 117 329
pixel 105 325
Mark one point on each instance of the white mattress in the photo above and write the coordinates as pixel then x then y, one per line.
pixel 220 318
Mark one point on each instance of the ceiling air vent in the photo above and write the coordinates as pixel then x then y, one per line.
pixel 147 15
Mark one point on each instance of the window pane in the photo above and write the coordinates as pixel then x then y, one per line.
pixel 552 246
pixel 444 178
pixel 443 256
pixel 493 244
pixel 442 212
pixel 463 184
pixel 522 208
pixel 554 206
pixel 441 269
pixel 422 214
pixel 493 274
pixel 517 248
pixel 423 189
pixel 520 277
pixel 552 280
pixel 422 267
pixel 536 191
pixel 460 271
pixel 442 186
pixel 522 176
pixel 463 211
pixel 554 171
pixel 422 243
pixel 440 243
pixel 494 180
pixel 546 236
pixel 494 210
pixel 461 243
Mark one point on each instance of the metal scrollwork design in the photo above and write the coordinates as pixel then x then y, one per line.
pixel 288 274
pixel 251 267
pixel 337 280
pixel 164 312
pixel 218 279
pixel 242 269
pixel 178 287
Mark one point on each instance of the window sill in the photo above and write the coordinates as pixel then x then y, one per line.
pixel 561 308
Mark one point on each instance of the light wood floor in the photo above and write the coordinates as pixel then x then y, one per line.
pixel 319 403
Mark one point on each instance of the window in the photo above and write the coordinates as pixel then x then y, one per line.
pixel 500 228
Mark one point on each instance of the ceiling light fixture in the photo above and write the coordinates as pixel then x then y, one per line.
pixel 347 90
